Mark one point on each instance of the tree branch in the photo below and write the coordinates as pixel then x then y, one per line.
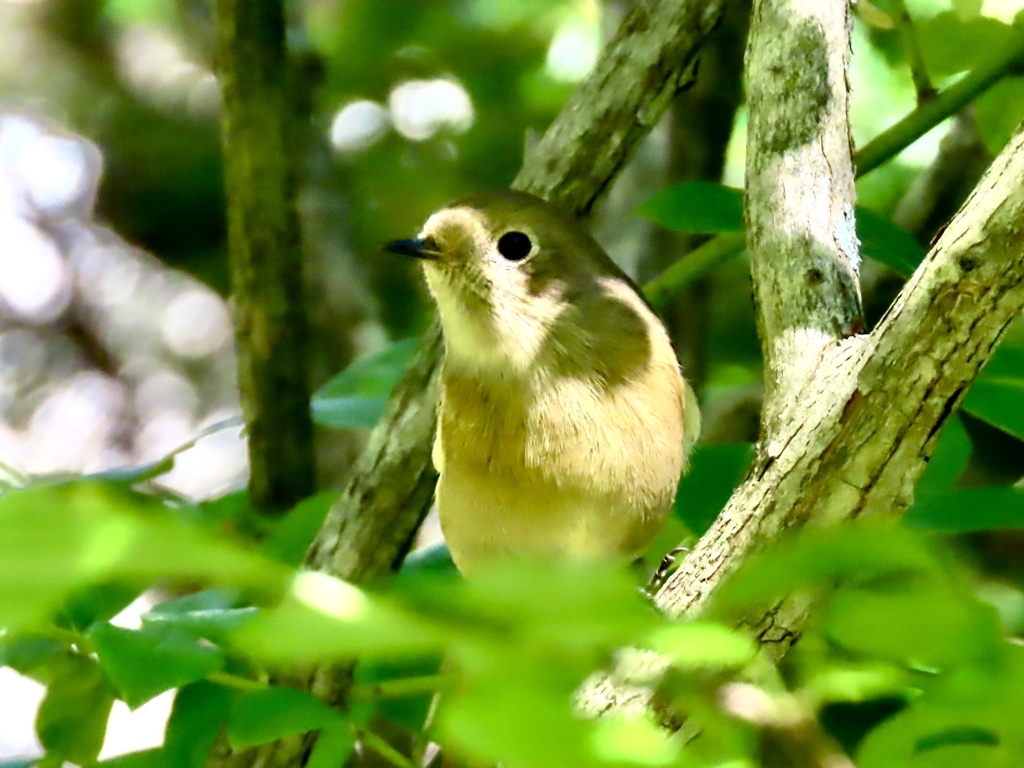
pixel 799 200
pixel 263 246
pixel 872 411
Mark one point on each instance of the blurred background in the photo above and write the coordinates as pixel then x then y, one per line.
pixel 115 321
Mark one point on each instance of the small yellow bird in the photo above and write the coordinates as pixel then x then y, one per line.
pixel 564 422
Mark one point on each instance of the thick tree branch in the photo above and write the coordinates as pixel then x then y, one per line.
pixel 799 201
pixel 872 411
pixel 263 246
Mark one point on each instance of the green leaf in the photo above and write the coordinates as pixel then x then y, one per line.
pixel 584 607
pixel 634 741
pixel 715 471
pixel 325 618
pixel 274 713
pixel 200 710
pixel 997 396
pixel 820 558
pixel 698 207
pixel 887 243
pixel 72 720
pixel 999 111
pixel 291 536
pixel 702 644
pixel 703 207
pixel 951 44
pixel 518 714
pixel 28 653
pixel 56 539
pixel 915 625
pixel 356 397
pixel 210 614
pixel 146 662
pixel 947 462
pixel 970 509
pixel 334 745
pixel 96 602
pixel 148 758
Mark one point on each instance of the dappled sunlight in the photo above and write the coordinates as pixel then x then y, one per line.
pixel 422 108
pixel 153 62
pixel 110 378
pixel 196 323
pixel 358 125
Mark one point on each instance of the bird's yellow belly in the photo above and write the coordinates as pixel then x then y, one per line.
pixel 484 517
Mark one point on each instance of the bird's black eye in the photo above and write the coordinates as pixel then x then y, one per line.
pixel 514 246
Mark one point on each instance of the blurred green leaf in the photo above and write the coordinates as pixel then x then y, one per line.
pixel 147 758
pixel 334 745
pixel 290 536
pixel 273 713
pixel 947 462
pixel 818 558
pixel 72 719
pixel 951 44
pixel 200 710
pixel 356 397
pixel 59 538
pixel 146 662
pixel 27 653
pixel 702 644
pixel 971 714
pixel 326 618
pixel 96 602
pixel 697 207
pixel 970 509
pixel 211 622
pixel 634 741
pixel 407 711
pixel 715 471
pixel 997 396
pixel 517 715
pixel 581 606
pixel 999 111
pixel 916 625
pixel 887 243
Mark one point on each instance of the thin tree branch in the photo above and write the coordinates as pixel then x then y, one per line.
pixel 263 246
pixel 923 87
pixel 950 101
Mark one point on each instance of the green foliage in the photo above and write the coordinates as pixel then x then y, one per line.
pixel 701 207
pixel 273 713
pixel 146 662
pixel 894 618
pixel 356 397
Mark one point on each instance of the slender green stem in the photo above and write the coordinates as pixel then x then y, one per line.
pixel 908 35
pixel 236 681
pixel 400 688
pixel 696 263
pixel 882 148
pixel 898 137
pixel 385 750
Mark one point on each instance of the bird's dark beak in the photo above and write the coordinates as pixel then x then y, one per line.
pixel 417 248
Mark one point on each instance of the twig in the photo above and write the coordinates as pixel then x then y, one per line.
pixel 908 35
pixel 264 253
